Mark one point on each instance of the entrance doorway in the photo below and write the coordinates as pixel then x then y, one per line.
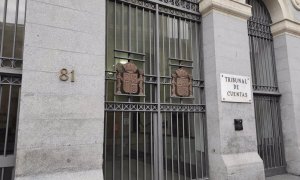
pixel 266 92
pixel 155 110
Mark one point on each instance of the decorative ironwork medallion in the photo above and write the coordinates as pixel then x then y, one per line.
pixel 182 83
pixel 296 3
pixel 130 79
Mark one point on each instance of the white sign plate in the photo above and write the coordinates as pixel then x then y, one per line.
pixel 236 88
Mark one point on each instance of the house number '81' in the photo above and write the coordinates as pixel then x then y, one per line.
pixel 65 75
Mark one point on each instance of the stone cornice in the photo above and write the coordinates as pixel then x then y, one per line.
pixel 233 7
pixel 286 26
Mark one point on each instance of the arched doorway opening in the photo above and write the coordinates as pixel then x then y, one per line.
pixel 266 91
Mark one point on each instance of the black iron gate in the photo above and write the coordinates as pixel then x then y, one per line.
pixel 266 92
pixel 154 109
pixel 12 23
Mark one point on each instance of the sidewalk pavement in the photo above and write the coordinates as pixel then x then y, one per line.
pixel 284 177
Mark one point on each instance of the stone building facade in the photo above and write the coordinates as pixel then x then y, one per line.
pixel 131 89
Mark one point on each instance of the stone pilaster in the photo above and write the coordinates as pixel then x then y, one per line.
pixel 232 154
pixel 287 46
pixel 60 132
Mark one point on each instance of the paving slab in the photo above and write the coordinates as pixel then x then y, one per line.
pixel 284 177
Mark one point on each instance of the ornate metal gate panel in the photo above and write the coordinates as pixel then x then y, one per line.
pixel 12 26
pixel 266 93
pixel 154 109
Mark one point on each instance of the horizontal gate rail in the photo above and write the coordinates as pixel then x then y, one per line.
pixel 118 106
pixel 188 9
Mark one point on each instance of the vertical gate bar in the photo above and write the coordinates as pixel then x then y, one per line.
pixel 280 136
pixel 273 119
pixel 280 142
pixel 275 133
pixel 206 146
pixel 257 64
pixel 151 95
pixel 15 30
pixel 144 113
pixel 2 173
pixel 178 157
pixel 166 150
pixel 143 34
pixel 194 114
pixel 186 39
pixel 105 144
pixel 145 150
pixel 254 78
pixel 115 47
pixel 266 138
pixel 270 65
pixel 201 153
pixel 1 94
pixel 172 144
pixel 253 61
pixel 268 142
pixel 191 44
pixel 114 145
pixel 7 121
pixel 261 79
pixel 115 23
pixel 129 30
pixel 274 64
pixel 3 27
pixel 163 55
pixel 261 115
pixel 282 151
pixel 262 109
pixel 122 144
pixel 276 128
pixel 196 159
pixel 183 137
pixel 260 100
pixel 137 29
pixel 137 145
pixel 270 133
pixel 151 147
pixel 190 149
pixel 123 25
pixel 169 36
pixel 17 126
pixel 169 50
pixel 202 101
pixel 258 110
pixel 150 55
pixel 180 39
pixel 263 68
pixel 173 29
pixel 129 147
pixel 256 106
pixel 159 138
